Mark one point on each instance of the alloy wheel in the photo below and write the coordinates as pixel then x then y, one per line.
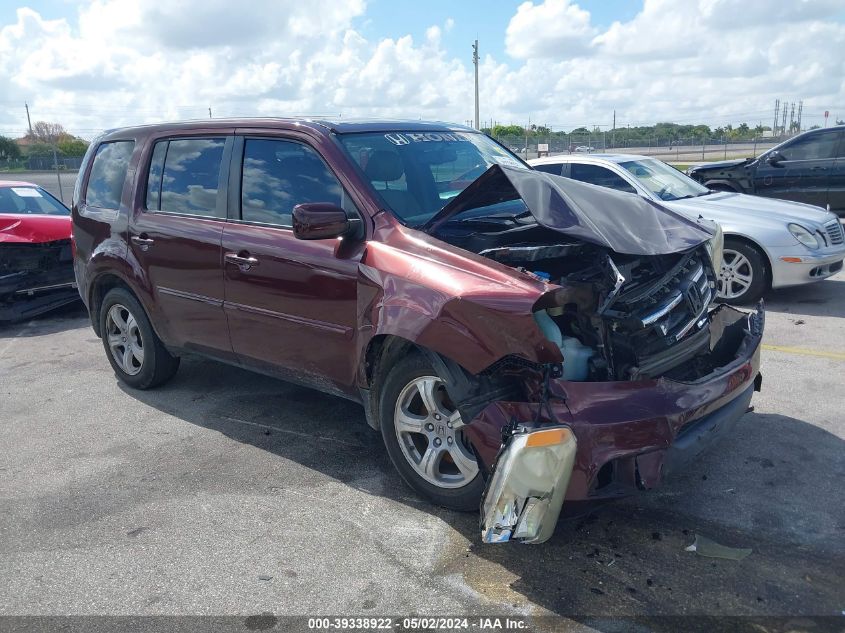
pixel 735 275
pixel 124 339
pixel 424 420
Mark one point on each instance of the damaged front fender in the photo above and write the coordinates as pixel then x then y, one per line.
pixel 525 493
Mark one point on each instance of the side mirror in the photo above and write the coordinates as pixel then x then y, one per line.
pixel 320 221
pixel 774 158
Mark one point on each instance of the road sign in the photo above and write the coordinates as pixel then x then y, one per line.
pixel 542 147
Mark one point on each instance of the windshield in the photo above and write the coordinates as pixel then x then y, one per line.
pixel 417 174
pixel 26 199
pixel 663 180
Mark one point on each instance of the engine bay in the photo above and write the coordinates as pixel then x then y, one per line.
pixel 615 316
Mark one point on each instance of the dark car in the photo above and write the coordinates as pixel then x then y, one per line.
pixel 36 265
pixel 808 168
pixel 518 338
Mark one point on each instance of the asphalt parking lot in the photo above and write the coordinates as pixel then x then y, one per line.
pixel 225 492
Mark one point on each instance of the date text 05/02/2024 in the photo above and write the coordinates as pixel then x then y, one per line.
pixel 418 623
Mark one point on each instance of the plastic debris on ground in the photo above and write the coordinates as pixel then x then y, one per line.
pixel 703 546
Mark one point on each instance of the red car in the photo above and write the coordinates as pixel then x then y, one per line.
pixel 520 340
pixel 36 265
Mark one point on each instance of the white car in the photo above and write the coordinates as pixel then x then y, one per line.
pixel 768 242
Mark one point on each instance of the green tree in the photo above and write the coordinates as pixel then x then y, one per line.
pixel 72 146
pixel 9 150
pixel 39 149
pixel 508 130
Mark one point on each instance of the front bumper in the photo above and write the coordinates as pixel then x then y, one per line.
pixel 629 435
pixel 791 269
pixel 35 278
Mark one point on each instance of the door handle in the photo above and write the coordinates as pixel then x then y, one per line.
pixel 818 168
pixel 244 262
pixel 142 241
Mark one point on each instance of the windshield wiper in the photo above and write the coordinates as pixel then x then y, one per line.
pixel 495 216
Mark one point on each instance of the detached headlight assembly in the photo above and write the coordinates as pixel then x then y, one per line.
pixel 806 237
pixel 716 246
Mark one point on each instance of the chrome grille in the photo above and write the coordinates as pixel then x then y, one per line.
pixel 834 232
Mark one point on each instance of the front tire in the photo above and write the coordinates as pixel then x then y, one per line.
pixel 433 458
pixel 742 278
pixel 136 354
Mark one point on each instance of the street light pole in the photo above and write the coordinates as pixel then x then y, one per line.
pixel 475 63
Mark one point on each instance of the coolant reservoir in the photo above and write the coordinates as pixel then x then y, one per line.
pixel 576 357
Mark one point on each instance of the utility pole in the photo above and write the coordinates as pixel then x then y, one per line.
pixel 792 118
pixel 58 173
pixel 475 63
pixel 613 134
pixel 209 112
pixel 29 122
pixel 775 124
pixel 800 108
pixel 783 120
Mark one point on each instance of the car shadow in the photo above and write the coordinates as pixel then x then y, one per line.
pixel 67 317
pixel 825 298
pixel 773 488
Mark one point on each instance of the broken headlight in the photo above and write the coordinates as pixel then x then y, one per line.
pixel 525 493
pixel 715 247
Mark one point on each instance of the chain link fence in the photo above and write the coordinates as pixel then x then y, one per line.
pixel 689 149
pixel 42 163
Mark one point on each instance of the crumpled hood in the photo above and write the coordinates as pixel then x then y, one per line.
pixel 720 164
pixel 33 229
pixel 622 222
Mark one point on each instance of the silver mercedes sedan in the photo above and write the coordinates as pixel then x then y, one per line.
pixel 768 242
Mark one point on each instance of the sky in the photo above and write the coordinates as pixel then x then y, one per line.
pixel 100 64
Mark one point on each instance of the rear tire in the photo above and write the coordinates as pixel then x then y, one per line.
pixel 743 277
pixel 135 352
pixel 434 459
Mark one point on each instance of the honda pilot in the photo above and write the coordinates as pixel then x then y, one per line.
pixel 523 342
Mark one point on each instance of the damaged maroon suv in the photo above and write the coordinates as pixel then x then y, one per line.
pixel 522 341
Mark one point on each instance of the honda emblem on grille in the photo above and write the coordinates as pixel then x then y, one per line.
pixel 694 299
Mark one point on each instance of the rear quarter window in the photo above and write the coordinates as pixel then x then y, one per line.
pixel 108 173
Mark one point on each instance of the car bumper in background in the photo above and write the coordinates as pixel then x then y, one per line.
pixel 627 436
pixel 791 269
pixel 35 278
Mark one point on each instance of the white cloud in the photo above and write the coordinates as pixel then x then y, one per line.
pixel 121 62
pixel 551 29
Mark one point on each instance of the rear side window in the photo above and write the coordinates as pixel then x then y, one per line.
pixel 601 176
pixel 185 175
pixel 108 173
pixel 278 175
pixel 553 168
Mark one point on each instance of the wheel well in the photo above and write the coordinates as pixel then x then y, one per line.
pixel 721 186
pixel 99 289
pixel 756 247
pixel 383 349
